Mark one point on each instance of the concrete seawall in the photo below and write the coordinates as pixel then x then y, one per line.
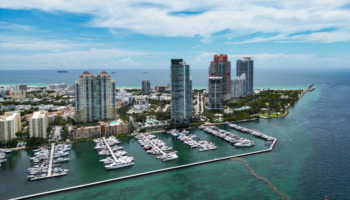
pixel 145 173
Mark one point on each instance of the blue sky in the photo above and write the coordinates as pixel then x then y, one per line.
pixel 57 34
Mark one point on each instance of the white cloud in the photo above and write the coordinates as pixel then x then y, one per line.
pixel 155 17
pixel 91 58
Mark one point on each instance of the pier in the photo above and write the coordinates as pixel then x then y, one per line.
pixel 249 131
pixel 49 173
pixel 154 145
pixel 145 173
pixel 49 170
pixel 110 150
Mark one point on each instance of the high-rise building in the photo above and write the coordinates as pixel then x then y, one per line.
pixel 215 93
pixel 245 66
pixel 95 98
pixel 239 86
pixel 38 124
pixel 146 87
pixel 21 87
pixel 181 92
pixel 10 124
pixel 221 67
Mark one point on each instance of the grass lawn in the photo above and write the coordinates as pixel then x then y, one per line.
pixel 272 115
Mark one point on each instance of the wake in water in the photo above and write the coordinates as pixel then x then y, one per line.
pixel 272 186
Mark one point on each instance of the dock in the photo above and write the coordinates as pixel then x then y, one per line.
pixel 249 131
pixel 153 145
pixel 49 173
pixel 110 150
pixel 146 173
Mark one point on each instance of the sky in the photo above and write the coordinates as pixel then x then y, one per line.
pixel 110 34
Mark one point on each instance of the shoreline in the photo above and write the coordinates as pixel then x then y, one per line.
pixel 304 91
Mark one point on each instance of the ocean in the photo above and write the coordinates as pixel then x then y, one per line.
pixel 310 160
pixel 132 78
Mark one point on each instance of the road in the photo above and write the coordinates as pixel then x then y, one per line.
pixel 198 104
pixel 202 104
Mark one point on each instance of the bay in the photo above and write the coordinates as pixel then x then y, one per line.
pixel 310 160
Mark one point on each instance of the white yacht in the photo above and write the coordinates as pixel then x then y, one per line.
pixel 121 164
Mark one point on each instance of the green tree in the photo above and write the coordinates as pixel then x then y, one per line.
pixel 12 142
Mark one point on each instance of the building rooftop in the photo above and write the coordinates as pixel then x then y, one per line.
pixel 86 72
pixel 8 116
pixel 39 114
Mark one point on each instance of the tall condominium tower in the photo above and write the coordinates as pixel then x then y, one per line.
pixel 215 93
pixel 239 86
pixel 95 98
pixel 221 67
pixel 181 92
pixel 10 124
pixel 38 124
pixel 245 66
pixel 146 87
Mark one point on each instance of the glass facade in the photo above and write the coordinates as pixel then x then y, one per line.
pixel 246 66
pixel 181 92
pixel 215 93
pixel 146 87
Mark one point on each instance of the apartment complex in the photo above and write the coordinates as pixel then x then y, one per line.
pixel 10 124
pixel 246 66
pixel 146 87
pixel 239 86
pixel 38 124
pixel 181 92
pixel 102 130
pixel 215 93
pixel 95 97
pixel 221 67
pixel 16 94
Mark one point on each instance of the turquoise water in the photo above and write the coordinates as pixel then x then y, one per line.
pixel 310 160
pixel 114 122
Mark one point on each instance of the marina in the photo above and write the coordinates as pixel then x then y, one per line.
pixel 156 146
pixel 118 159
pixel 3 153
pixel 147 173
pixel 228 136
pixel 268 138
pixel 192 141
pixel 84 154
pixel 45 159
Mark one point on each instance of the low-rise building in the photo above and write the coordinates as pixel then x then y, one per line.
pixel 10 124
pixel 38 124
pixel 58 86
pixel 103 130
pixel 16 94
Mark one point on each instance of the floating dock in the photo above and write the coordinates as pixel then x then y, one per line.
pixel 110 150
pixel 49 173
pixel 153 145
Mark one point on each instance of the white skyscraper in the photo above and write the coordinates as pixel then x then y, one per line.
pixel 239 86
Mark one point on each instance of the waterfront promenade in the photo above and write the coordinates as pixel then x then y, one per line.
pixel 147 173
